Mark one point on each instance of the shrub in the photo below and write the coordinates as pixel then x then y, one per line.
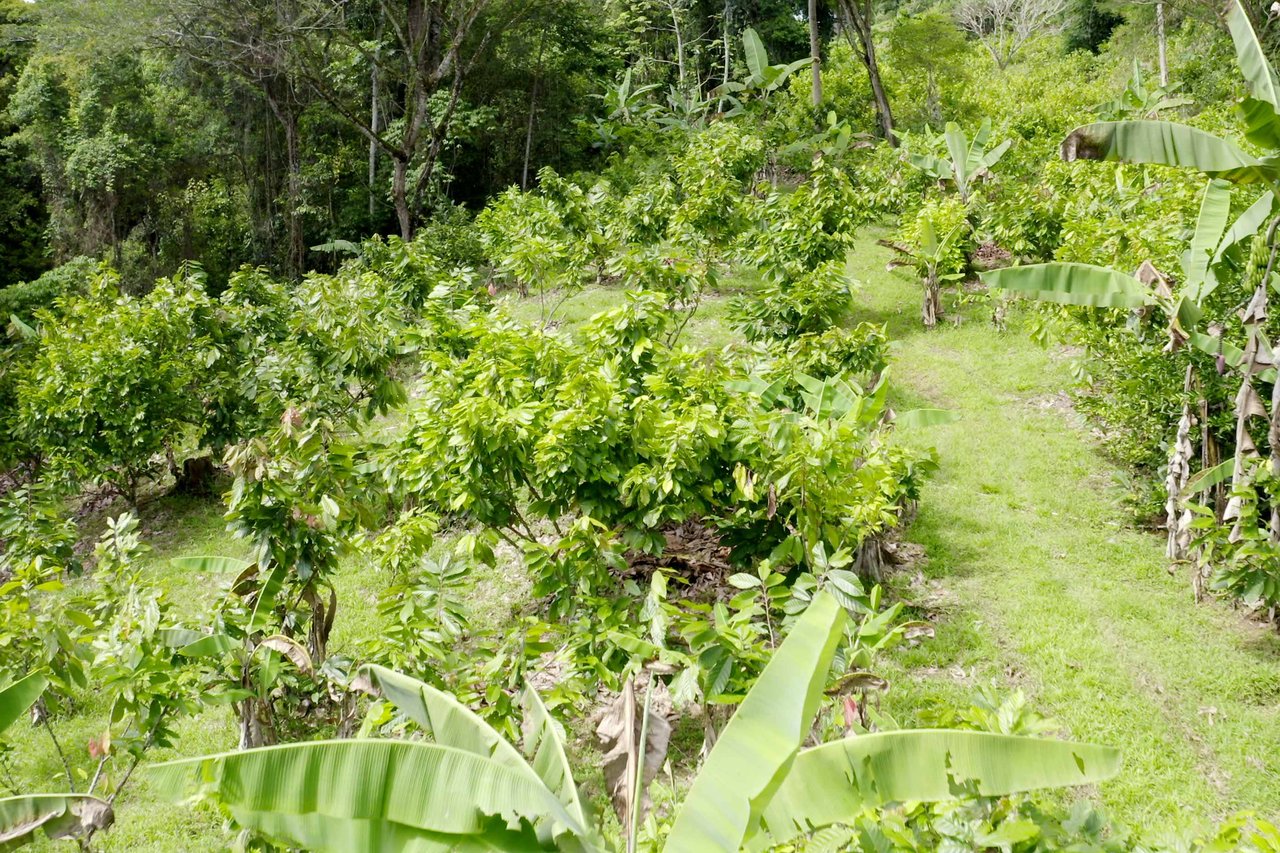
pixel 810 304
pixel 803 229
pixel 115 380
pixel 860 351
pixel 25 299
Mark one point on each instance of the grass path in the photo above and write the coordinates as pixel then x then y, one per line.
pixel 1041 586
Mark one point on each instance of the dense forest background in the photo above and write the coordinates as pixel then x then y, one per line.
pixel 155 132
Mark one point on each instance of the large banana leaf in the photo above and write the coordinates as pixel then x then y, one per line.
pixel 1231 354
pixel 1197 269
pixel 18 697
pixel 1072 284
pixel 757 56
pixel 1246 225
pixel 450 723
pixel 374 795
pixel 1168 144
pixel 56 815
pixel 833 783
pixel 757 747
pixel 958 148
pixel 545 749
pixel 1260 109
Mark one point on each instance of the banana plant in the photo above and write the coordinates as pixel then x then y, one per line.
pixel 762 77
pixel 968 161
pixel 1137 101
pixel 929 255
pixel 1213 250
pixel 56 816
pixel 466 787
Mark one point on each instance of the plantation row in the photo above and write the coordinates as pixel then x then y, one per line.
pixel 703 529
pixel 768 471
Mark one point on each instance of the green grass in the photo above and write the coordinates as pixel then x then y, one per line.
pixel 1030 575
pixel 1038 584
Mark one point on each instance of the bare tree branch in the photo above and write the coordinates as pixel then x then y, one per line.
pixel 1005 27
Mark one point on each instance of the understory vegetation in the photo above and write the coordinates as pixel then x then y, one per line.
pixel 574 498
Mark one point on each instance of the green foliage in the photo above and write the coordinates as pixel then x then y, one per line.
pixel 929 51
pixel 715 178
pixel 23 300
pixel 810 304
pixel 535 794
pixel 115 379
pixel 1090 24
pixel 812 225
pixel 861 351
pixel 967 162
pixel 1245 559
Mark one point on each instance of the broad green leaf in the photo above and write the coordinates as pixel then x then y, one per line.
pixel 1186 313
pixel 931 165
pixel 835 782
pixel 958 149
pixel 1072 284
pixel 372 795
pixel 1231 354
pixel 993 156
pixel 1260 110
pixel 1209 477
pixel 785 72
pixel 1246 225
pixel 1168 144
pixel 452 724
pixel 18 697
pixel 210 565
pixel 20 329
pixel 926 418
pixel 544 746
pixel 1215 209
pixel 757 57
pixel 266 603
pixel 1261 124
pixel 196 644
pixel 756 749
pixel 210 646
pixel 447 720
pixel 55 815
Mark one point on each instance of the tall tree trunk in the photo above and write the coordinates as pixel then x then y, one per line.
pixel 680 71
pixel 287 117
pixel 400 196
pixel 1160 40
pixel 815 53
pixel 533 108
pixel 293 153
pixel 375 122
pixel 724 77
pixel 858 20
pixel 933 104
